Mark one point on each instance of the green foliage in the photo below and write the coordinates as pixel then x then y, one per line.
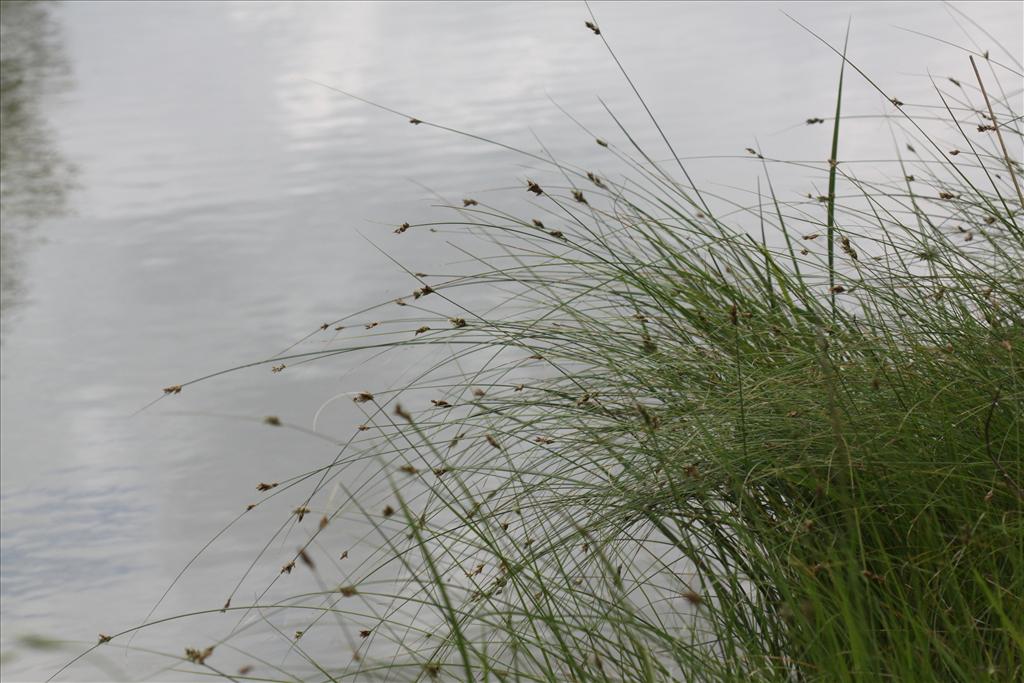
pixel 676 452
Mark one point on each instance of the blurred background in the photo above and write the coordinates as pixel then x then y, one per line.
pixel 182 194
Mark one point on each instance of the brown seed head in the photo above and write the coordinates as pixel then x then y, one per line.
pixel 693 598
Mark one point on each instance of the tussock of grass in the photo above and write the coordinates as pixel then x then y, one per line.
pixel 679 452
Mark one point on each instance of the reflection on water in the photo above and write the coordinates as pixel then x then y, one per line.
pixel 225 205
pixel 34 178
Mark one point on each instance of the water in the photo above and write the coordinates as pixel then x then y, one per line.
pixel 181 195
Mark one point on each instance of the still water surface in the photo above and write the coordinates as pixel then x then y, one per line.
pixel 181 195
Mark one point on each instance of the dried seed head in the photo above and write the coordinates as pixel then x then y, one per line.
pixel 847 248
pixel 402 413
pixel 693 598
pixel 896 101
pixel 365 633
pixel 415 122
pixel 324 327
pixel 440 403
pixel 306 559
pixel 344 555
pixel 457 322
pixel 534 188
pixel 363 427
pixel 324 521
pixel 421 330
pixel 478 392
pixel 105 638
pixel 372 325
pixel 814 120
pixel 408 469
pixel 347 591
pixel 557 234
pixel 388 511
pixel 265 487
pixel 593 27
pixel 301 511
pixel 198 656
pixel 287 569
pixel 363 397
pixel 493 441
pixel 400 302
pixel 245 670
pixel 537 223
pixel 469 202
pixel 402 228
pixel 578 196
pixel 837 289
pixel 278 368
pixel 173 389
pixel 250 506
pixel 227 604
pixel 272 420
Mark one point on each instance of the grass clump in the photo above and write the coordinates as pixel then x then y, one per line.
pixel 702 440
